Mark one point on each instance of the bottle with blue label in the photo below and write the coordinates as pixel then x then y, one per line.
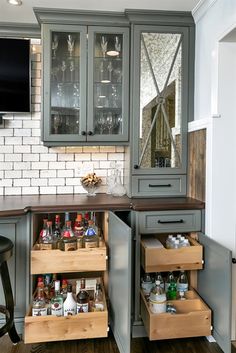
pixel 91 239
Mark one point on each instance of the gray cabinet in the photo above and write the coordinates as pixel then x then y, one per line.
pixel 85 79
pixel 17 230
pixel 211 284
pixel 162 79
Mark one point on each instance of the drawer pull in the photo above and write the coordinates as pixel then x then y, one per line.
pixel 168 222
pixel 159 185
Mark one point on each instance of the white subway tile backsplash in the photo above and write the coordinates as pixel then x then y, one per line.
pixel 13 174
pixel 13 141
pixel 21 182
pixel 47 190
pixel 12 191
pixel 39 182
pixel 6 165
pixel 30 173
pixel 30 190
pixel 28 167
pixel 65 190
pixel 6 132
pixel 48 173
pixel 16 157
pixel 39 165
pixel 22 149
pixel 22 165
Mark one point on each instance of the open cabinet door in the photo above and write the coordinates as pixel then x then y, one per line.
pixel 214 286
pixel 119 241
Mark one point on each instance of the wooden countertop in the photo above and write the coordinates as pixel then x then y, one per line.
pixel 20 205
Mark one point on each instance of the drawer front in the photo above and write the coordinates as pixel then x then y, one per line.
pixel 56 261
pixel 162 259
pixel 166 185
pixel 193 319
pixel 169 221
pixel 51 328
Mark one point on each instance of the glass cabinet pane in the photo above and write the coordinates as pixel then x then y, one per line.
pixel 65 83
pixel 108 84
pixel 160 130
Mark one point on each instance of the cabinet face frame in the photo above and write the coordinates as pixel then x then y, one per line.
pixel 186 109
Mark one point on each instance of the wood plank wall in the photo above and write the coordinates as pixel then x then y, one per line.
pixel 197 164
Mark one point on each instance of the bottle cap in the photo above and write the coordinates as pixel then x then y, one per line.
pixel 57 285
pixel 79 217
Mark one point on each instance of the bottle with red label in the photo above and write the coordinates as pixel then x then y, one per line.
pixel 68 240
pixel 79 230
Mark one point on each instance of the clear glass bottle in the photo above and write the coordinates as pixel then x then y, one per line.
pixel 157 299
pixel 43 230
pixel 98 299
pixel 146 284
pixel 182 284
pixel 57 301
pixel 46 239
pixel 39 307
pixel 64 285
pixel 57 231
pixel 91 239
pixel 70 305
pixel 68 240
pixel 82 298
pixel 118 189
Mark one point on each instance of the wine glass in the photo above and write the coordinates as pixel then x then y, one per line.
pixel 54 45
pixel 104 45
pixel 72 69
pixel 110 123
pixel 71 44
pixel 101 123
pixel 109 68
pixel 76 96
pixel 63 69
pixel 117 45
pixel 56 123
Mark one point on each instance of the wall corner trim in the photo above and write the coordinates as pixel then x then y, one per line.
pixel 201 8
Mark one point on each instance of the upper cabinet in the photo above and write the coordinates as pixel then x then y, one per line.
pixel 162 68
pixel 85 79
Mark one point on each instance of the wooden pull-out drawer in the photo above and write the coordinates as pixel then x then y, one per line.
pixel 162 259
pixel 53 328
pixel 56 261
pixel 193 318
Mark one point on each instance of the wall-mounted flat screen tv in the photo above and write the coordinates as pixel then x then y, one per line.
pixel 14 75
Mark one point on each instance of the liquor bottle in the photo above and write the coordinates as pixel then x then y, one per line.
pixel 52 285
pixel 85 220
pixel 98 304
pixel 43 230
pixel 68 240
pixel 47 289
pixel 57 301
pixel 158 277
pixel 157 299
pixel 91 239
pixel 82 298
pixel 70 305
pixel 169 279
pixel 57 231
pixel 39 305
pixel 79 230
pixel 171 287
pixel 146 284
pixel 64 285
pixel 182 284
pixel 46 239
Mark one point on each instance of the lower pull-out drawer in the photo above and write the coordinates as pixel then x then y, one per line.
pixel 52 328
pixel 193 318
pixel 162 259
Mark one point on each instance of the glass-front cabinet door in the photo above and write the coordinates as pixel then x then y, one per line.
pixel 108 84
pixel 64 55
pixel 86 84
pixel 161 90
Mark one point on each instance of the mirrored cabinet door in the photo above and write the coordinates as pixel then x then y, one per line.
pixel 161 86
pixel 108 79
pixel 65 83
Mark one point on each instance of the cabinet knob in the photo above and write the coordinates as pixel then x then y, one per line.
pixel 233 260
pixel 83 133
pixel 136 166
pixel 90 133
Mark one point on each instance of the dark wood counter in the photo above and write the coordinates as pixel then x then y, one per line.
pixel 20 205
